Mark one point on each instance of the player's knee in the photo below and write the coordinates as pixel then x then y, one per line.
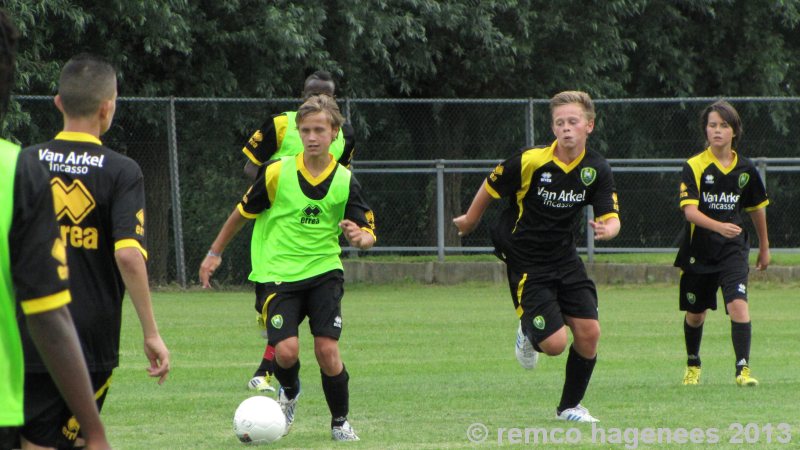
pixel 695 319
pixel 287 352
pixel 555 344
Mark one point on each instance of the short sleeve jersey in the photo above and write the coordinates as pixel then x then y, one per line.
pixel 545 199
pixel 34 272
pixel 265 144
pixel 100 207
pixel 722 194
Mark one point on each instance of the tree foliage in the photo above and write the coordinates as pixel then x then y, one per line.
pixel 407 49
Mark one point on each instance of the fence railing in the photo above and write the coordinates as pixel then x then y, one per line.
pixel 420 162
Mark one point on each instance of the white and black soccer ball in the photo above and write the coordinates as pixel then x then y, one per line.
pixel 259 420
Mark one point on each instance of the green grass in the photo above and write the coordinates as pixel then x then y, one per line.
pixel 426 362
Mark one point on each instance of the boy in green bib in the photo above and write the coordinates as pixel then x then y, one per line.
pixel 305 201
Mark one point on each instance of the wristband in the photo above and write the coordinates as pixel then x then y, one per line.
pixel 213 253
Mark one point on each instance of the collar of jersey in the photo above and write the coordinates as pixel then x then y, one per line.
pixel 77 136
pixel 719 165
pixel 565 167
pixel 312 180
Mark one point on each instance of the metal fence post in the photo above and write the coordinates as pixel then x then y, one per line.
pixel 440 209
pixel 177 223
pixel 761 165
pixel 530 138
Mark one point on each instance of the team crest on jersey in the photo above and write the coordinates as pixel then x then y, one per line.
pixel 277 321
pixel 743 179
pixel 73 201
pixel 538 322
pixel 588 175
pixel 310 213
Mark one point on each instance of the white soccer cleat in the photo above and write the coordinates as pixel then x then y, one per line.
pixel 576 414
pixel 260 384
pixel 288 407
pixel 344 433
pixel 526 355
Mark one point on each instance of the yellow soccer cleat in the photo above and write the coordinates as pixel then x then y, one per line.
pixel 691 376
pixel 744 378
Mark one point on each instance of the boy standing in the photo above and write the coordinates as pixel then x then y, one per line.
pixel 99 204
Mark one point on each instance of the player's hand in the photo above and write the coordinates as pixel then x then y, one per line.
pixel 355 235
pixel 604 230
pixel 763 259
pixel 207 268
pixel 158 355
pixel 729 230
pixel 464 225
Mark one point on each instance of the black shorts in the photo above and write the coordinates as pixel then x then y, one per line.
pixel 543 297
pixel 48 420
pixel 698 291
pixel 284 306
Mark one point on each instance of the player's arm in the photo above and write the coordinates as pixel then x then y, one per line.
pixel 358 225
pixel 263 144
pixel 695 216
pixel 690 200
pixel 55 337
pixel 759 218
pixel 213 259
pixel 606 224
pixel 467 222
pixel 132 267
pixel 349 145
pixel 257 199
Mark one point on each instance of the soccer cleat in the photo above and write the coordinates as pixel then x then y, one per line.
pixel 744 378
pixel 691 376
pixel 261 384
pixel 576 414
pixel 288 407
pixel 526 355
pixel 344 433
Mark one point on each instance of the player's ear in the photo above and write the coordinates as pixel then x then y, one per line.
pixel 57 102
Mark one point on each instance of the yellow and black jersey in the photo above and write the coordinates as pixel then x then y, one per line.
pixel 99 204
pixel 722 194
pixel 37 254
pixel 261 194
pixel 267 142
pixel 546 197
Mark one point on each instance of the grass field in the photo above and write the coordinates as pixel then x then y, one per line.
pixel 426 362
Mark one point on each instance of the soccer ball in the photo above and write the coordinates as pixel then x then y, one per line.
pixel 259 420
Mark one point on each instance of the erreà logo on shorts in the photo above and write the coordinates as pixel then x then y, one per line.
pixel 309 214
pixel 277 321
pixel 538 322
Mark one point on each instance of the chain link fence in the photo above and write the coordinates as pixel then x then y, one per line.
pixel 420 162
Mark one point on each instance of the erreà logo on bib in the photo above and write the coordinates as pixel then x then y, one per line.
pixel 588 175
